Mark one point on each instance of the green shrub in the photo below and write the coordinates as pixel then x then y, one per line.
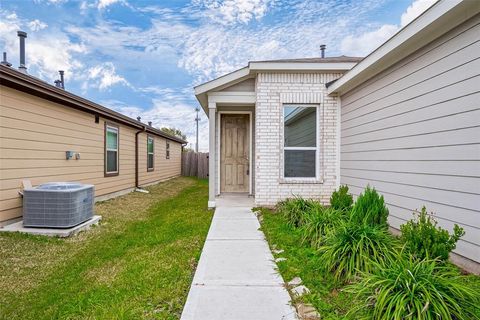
pixel 424 239
pixel 370 209
pixel 319 222
pixel 341 199
pixel 295 209
pixel 407 288
pixel 353 246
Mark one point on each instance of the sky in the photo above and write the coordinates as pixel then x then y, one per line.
pixel 143 58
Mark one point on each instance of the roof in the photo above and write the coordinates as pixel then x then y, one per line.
pixel 330 64
pixel 441 17
pixel 319 60
pixel 15 79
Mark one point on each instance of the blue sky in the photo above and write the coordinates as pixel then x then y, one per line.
pixel 144 57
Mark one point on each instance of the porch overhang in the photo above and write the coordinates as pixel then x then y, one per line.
pixel 211 91
pixel 232 98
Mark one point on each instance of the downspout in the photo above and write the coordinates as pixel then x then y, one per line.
pixel 137 187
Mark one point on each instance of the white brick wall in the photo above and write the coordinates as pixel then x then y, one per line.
pixel 273 90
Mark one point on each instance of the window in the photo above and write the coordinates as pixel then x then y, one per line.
pixel 150 153
pixel 111 150
pixel 300 141
pixel 167 155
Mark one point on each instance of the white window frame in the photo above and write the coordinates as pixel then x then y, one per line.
pixel 152 168
pixel 316 148
pixel 112 129
pixel 167 150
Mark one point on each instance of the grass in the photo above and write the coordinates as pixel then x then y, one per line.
pixel 303 261
pixel 138 264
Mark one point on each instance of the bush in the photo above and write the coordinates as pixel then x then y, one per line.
pixel 341 199
pixel 406 288
pixel 370 209
pixel 424 239
pixel 352 247
pixel 319 222
pixel 294 210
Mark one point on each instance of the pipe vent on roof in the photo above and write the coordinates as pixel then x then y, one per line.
pixel 322 50
pixel 61 82
pixel 4 61
pixel 22 35
pixel 149 123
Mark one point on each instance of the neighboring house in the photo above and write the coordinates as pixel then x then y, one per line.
pixel 406 120
pixel 39 123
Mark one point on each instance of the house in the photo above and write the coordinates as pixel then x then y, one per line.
pixel 405 119
pixel 49 134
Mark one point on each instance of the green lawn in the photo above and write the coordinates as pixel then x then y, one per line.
pixel 137 264
pixel 302 261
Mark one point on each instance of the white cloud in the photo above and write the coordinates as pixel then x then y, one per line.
pixel 104 76
pixel 232 11
pixel 50 1
pixel 363 44
pixel 414 10
pixel 102 4
pixel 36 25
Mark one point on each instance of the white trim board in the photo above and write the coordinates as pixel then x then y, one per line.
pixel 250 175
pixel 233 98
pixel 301 66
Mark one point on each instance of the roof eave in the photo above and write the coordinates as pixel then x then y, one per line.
pixel 19 81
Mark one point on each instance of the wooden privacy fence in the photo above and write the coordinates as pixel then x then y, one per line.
pixel 195 164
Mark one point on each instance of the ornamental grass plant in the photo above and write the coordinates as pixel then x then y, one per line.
pixel 295 210
pixel 405 288
pixel 352 247
pixel 319 222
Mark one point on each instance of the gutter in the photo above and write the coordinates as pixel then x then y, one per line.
pixel 137 186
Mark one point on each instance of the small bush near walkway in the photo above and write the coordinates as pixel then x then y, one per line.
pixel 138 264
pixel 424 239
pixel 341 199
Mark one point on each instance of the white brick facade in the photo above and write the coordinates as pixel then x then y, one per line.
pixel 272 91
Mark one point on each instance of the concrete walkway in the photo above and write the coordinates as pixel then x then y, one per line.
pixel 236 277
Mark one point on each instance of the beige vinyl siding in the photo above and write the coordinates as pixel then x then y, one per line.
pixel 34 135
pixel 413 132
pixel 163 168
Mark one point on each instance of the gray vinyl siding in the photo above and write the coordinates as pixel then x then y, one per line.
pixel 302 132
pixel 413 132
